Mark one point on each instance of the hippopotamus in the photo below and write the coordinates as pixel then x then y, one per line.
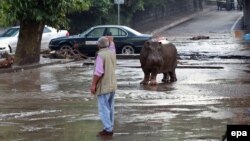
pixel 158 57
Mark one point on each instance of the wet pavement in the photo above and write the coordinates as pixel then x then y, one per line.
pixel 53 103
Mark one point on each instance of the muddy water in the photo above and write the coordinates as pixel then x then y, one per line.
pixel 53 103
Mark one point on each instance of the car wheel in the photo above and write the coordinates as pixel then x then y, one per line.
pixel 65 46
pixel 69 52
pixel 65 49
pixel 128 49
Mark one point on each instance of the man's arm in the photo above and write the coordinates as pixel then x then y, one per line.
pixel 94 83
pixel 98 72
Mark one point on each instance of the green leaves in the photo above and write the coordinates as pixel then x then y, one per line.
pixel 51 12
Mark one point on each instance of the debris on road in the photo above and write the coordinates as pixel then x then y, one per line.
pixel 199 37
pixel 6 60
pixel 65 53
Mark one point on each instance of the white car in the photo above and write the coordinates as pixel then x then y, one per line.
pixel 4 48
pixel 10 36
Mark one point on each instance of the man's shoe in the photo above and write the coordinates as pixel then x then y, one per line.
pixel 105 133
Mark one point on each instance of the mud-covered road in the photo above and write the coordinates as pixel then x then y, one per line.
pixel 53 103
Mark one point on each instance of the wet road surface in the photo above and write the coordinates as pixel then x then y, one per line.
pixel 53 103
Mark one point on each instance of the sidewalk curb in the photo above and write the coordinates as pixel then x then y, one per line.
pixel 180 21
pixel 236 24
pixel 26 67
pixel 159 30
pixel 236 29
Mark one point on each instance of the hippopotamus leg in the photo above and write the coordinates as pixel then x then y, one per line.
pixel 153 78
pixel 165 77
pixel 172 76
pixel 146 78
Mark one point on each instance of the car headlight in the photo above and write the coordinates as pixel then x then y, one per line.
pixel 2 48
pixel 51 42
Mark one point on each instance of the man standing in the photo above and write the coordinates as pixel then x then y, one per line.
pixel 104 84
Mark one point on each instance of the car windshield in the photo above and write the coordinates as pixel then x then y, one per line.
pixel 10 32
pixel 132 30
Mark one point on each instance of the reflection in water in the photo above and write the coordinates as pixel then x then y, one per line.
pixel 159 87
pixel 150 87
pixel 25 114
pixel 19 82
pixel 53 103
pixel 48 82
pixel 106 138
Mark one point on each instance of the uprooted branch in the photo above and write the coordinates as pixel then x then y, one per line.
pixel 6 60
pixel 66 53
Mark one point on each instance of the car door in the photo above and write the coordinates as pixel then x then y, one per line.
pixel 91 38
pixel 10 36
pixel 120 37
pixel 46 37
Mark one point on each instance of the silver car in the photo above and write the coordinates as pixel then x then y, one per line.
pixel 10 36
pixel 4 48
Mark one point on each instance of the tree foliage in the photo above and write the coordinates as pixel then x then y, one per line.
pixel 51 12
pixel 100 9
pixel 32 15
pixel 105 12
pixel 54 12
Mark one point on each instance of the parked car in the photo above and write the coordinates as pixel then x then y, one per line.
pixel 227 4
pixel 127 40
pixel 4 48
pixel 10 36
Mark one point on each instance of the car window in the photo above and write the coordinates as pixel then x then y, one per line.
pixel 10 32
pixel 117 32
pixel 98 32
pixel 46 30
pixel 132 30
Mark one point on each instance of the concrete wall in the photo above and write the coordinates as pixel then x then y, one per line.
pixel 173 8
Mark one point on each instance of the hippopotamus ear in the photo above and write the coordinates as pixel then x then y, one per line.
pixel 146 44
pixel 160 45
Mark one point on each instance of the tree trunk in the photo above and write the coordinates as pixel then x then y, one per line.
pixel 29 43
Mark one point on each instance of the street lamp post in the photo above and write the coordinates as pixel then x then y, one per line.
pixel 118 14
pixel 118 2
